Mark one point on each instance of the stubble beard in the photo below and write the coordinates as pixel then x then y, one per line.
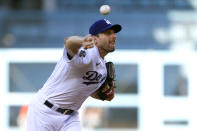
pixel 112 49
pixel 108 51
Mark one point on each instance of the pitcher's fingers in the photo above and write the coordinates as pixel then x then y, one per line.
pixel 88 46
pixel 86 37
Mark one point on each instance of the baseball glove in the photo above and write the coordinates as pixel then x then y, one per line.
pixel 106 91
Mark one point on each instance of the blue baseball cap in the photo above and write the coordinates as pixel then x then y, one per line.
pixel 102 25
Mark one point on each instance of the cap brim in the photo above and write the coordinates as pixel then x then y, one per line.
pixel 116 27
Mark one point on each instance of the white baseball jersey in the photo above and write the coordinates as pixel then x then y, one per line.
pixel 72 81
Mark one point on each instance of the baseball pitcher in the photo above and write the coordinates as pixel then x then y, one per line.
pixel 81 72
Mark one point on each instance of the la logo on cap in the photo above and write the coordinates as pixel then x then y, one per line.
pixel 107 21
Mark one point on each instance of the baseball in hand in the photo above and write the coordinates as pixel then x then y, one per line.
pixel 105 9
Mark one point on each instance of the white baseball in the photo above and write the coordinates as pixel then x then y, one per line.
pixel 105 9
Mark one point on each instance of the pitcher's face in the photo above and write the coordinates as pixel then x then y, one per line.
pixel 107 40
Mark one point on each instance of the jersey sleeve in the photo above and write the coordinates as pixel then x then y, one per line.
pixel 83 57
pixel 65 55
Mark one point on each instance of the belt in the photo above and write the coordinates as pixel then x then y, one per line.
pixel 60 110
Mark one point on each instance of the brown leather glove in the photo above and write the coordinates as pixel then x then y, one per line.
pixel 106 91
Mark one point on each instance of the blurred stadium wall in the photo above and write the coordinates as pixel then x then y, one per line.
pixel 155 61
